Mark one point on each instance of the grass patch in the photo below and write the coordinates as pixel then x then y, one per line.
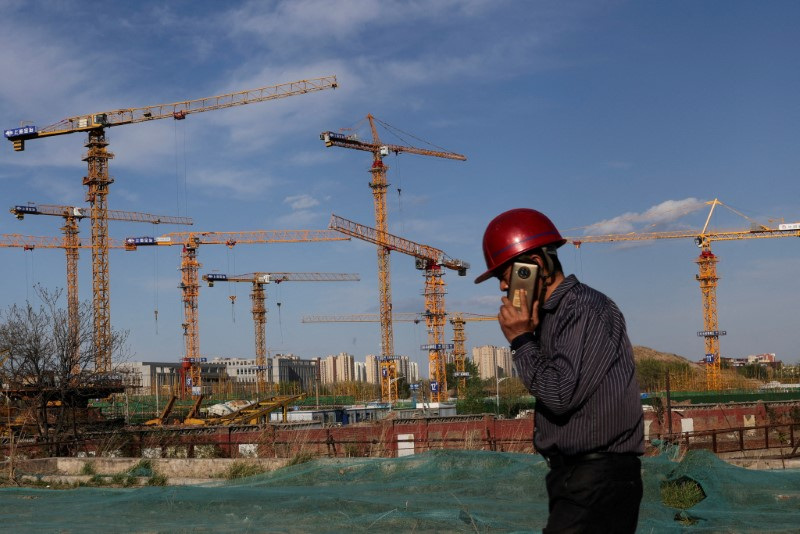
pixel 300 458
pixel 157 480
pixel 242 470
pixel 144 468
pixel 123 479
pixel 682 493
pixel 88 469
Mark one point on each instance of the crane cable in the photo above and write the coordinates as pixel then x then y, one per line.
pixel 181 172
pixel 280 322
pixel 399 193
pixel 29 282
pixel 231 253
pixel 155 284
pixel 397 131
pixel 578 254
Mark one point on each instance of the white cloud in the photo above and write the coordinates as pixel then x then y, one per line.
pixel 235 184
pixel 301 20
pixel 666 212
pixel 301 202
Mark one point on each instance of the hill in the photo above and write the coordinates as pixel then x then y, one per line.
pixel 646 353
pixel 692 379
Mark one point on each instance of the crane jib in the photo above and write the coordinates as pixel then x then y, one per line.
pixel 174 110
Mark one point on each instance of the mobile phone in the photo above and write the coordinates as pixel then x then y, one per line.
pixel 523 276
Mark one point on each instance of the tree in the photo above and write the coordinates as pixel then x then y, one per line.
pixel 51 356
pixel 470 367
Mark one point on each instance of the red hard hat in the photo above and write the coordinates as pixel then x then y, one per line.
pixel 515 232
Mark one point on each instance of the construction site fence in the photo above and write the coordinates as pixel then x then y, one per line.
pixel 783 437
pixel 385 439
pixel 725 396
pixel 382 439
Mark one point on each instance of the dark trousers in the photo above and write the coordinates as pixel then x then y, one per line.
pixel 597 495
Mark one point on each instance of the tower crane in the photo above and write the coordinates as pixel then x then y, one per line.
pixel 379 184
pixel 258 298
pixel 707 275
pixel 457 319
pixel 72 215
pixel 430 260
pixel 189 286
pixel 98 180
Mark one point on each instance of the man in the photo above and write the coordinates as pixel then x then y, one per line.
pixel 572 351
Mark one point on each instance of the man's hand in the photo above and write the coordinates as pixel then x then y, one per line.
pixel 514 321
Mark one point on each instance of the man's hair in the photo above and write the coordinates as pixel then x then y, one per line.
pixel 557 267
pixel 548 254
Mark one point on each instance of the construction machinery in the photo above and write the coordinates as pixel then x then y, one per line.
pixel 707 275
pixel 430 260
pixel 379 185
pixel 457 319
pixel 190 241
pixel 249 413
pixel 258 297
pixel 98 180
pixel 162 418
pixel 72 216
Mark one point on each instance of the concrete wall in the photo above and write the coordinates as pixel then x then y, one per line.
pixel 172 468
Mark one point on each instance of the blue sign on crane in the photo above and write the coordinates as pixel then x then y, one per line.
pixel 19 132
pixel 140 240
pixel 26 209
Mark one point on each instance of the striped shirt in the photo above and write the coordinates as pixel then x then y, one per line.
pixel 579 366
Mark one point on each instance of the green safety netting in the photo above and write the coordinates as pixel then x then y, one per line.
pixel 438 491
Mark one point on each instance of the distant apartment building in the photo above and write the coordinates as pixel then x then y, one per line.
pixel 404 367
pixel 372 369
pixel 493 362
pixel 361 372
pixel 413 372
pixel 337 368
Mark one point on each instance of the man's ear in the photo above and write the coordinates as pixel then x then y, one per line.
pixel 535 258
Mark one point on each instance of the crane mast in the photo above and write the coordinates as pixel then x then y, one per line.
pixel 190 241
pixel 430 260
pixel 458 320
pixel 707 273
pixel 98 180
pixel 379 184
pixel 258 297
pixel 72 215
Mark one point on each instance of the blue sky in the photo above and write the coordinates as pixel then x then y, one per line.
pixel 629 114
